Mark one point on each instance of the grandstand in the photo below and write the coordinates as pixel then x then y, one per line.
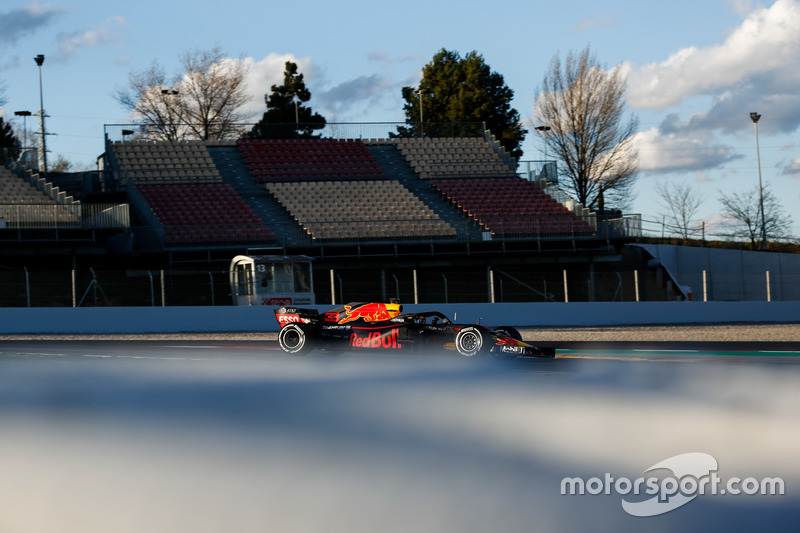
pixel 309 160
pixel 317 196
pixel 306 192
pixel 450 206
pixel 14 190
pixel 32 203
pixel 165 163
pixel 512 206
pixel 204 214
pixel 454 157
pixel 347 210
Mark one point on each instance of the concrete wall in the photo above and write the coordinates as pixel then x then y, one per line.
pixel 731 274
pixel 66 320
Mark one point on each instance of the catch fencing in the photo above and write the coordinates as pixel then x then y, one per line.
pixel 211 287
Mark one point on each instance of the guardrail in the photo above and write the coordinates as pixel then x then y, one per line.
pixel 127 320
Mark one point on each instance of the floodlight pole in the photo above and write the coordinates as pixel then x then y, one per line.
pixel 755 117
pixel 24 115
pixel 42 131
pixel 543 130
pixel 419 95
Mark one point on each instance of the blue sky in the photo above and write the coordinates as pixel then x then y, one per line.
pixel 695 69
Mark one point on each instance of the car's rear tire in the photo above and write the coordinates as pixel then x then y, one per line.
pixel 294 339
pixel 472 341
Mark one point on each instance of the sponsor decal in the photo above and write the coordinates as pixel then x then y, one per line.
pixel 389 339
pixel 374 312
pixel 518 350
pixel 289 318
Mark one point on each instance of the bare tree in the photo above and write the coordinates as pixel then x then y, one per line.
pixel 743 211
pixel 153 101
pixel 681 205
pixel 216 90
pixel 202 101
pixel 583 104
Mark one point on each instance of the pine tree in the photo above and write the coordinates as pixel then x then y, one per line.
pixel 286 116
pixel 9 144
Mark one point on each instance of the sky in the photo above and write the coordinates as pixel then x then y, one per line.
pixel 695 70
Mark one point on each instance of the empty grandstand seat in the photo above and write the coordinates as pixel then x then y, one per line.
pixel 152 162
pixel 347 210
pixel 204 214
pixel 273 160
pixel 452 157
pixel 15 190
pixel 509 206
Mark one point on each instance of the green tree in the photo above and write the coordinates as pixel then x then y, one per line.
pixel 9 144
pixel 286 116
pixel 462 90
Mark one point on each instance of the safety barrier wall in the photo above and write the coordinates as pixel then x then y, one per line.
pixel 133 320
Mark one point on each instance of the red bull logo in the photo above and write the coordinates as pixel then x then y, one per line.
pixel 374 312
pixel 388 340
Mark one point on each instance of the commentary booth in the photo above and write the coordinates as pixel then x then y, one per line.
pixel 272 280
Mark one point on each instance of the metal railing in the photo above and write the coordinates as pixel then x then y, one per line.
pixel 85 216
pixel 331 130
pixel 211 287
pixel 394 231
pixel 538 170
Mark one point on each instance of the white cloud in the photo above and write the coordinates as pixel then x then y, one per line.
pixel 763 51
pixel 600 21
pixel 675 146
pixel 264 73
pixel 754 69
pixel 113 30
pixel 362 91
pixel 792 168
pixel 329 101
pixel 17 22
pixel 742 7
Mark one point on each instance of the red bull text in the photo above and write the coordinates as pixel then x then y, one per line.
pixel 388 340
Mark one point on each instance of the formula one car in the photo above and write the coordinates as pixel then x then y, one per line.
pixel 384 327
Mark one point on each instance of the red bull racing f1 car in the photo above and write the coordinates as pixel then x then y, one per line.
pixel 384 327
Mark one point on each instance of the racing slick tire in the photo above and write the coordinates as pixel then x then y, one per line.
pixel 472 341
pixel 294 339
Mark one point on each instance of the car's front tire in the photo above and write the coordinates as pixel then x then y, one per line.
pixel 294 339
pixel 472 341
